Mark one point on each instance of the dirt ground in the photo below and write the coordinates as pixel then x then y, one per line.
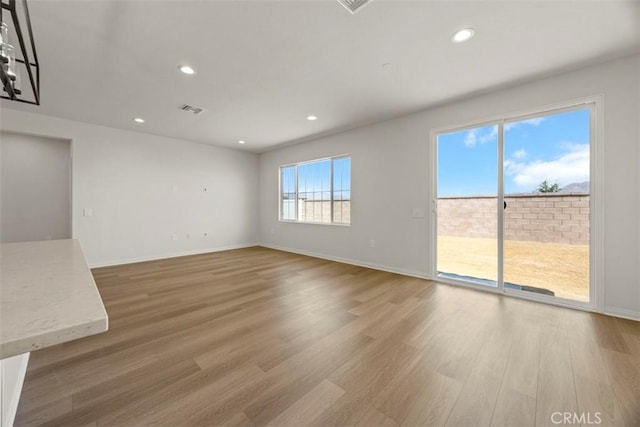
pixel 561 268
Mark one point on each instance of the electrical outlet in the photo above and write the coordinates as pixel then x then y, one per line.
pixel 174 236
pixel 418 212
pixel 372 243
pixel 87 212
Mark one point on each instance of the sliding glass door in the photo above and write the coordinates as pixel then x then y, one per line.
pixel 467 194
pixel 513 205
pixel 547 192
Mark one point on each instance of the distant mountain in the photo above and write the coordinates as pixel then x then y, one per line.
pixel 576 187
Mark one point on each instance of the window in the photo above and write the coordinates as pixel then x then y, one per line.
pixel 318 191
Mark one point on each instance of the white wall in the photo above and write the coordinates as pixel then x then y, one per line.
pixel 142 189
pixel 392 157
pixel 35 182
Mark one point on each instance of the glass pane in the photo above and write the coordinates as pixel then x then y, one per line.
pixel 546 222
pixel 326 178
pixel 337 212
pixel 342 190
pixel 288 193
pixel 467 205
pixel 313 191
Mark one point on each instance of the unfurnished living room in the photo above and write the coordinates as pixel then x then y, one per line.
pixel 320 213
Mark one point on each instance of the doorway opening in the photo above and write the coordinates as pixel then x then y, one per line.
pixel 35 182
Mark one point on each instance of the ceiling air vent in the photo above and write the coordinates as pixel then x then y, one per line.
pixel 192 109
pixel 353 5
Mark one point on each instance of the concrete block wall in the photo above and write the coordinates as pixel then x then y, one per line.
pixel 552 217
pixel 320 211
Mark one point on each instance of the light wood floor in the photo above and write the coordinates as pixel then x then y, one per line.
pixel 261 337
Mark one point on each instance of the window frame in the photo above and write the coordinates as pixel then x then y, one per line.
pixel 295 166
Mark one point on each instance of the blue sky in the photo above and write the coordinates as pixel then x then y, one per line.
pixel 554 147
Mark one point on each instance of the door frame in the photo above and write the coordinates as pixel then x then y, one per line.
pixel 596 228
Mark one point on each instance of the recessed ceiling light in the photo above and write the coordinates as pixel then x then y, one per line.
pixel 312 118
pixel 187 69
pixel 462 35
pixel 138 120
pixel 241 142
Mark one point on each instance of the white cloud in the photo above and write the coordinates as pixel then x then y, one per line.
pixel 533 122
pixel 474 136
pixel 573 166
pixel 520 154
pixel 491 136
pixel 471 138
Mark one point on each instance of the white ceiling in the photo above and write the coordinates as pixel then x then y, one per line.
pixel 263 66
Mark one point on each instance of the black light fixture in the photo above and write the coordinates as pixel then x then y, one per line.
pixel 23 57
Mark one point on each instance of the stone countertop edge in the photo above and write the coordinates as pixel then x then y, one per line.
pixel 30 273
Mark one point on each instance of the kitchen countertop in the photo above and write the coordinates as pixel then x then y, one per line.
pixel 47 296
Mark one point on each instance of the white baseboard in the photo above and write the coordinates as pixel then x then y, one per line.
pixel 170 255
pixel 389 269
pixel 13 371
pixel 625 314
